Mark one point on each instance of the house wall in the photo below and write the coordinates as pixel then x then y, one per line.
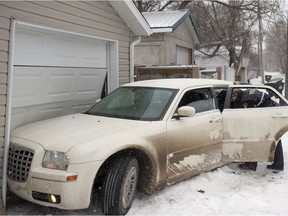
pixel 180 37
pixel 161 48
pixel 151 51
pixel 95 18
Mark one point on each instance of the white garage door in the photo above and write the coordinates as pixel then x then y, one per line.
pixel 183 57
pixel 55 74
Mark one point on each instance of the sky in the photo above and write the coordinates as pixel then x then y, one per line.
pixel 224 191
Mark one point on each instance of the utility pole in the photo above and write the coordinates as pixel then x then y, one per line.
pixel 286 76
pixel 260 45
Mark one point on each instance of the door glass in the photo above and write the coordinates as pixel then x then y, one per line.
pixel 255 98
pixel 200 99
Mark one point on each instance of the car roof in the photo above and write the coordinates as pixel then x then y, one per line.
pixel 178 83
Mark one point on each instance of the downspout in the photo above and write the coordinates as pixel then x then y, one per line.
pixel 8 110
pixel 134 42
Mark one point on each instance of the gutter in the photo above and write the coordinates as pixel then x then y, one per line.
pixel 136 40
pixel 8 110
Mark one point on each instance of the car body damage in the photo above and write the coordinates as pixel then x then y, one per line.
pixel 144 135
pixel 232 151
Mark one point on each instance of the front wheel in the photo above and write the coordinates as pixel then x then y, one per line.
pixel 119 186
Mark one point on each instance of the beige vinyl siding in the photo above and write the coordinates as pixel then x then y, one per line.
pixel 4 37
pixel 87 20
pixel 95 18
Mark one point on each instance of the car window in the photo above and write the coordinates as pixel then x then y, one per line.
pixel 139 103
pixel 254 97
pixel 200 99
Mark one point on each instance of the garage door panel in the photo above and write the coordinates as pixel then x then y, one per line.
pixel 59 85
pixel 23 43
pixel 55 73
pixel 40 93
pixel 25 115
pixel 87 83
pixel 34 48
pixel 65 48
pixel 31 85
pixel 49 85
pixel 87 52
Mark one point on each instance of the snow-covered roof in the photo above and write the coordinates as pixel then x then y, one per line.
pixel 168 21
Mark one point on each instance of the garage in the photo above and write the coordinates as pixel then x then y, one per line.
pixel 56 57
pixel 55 73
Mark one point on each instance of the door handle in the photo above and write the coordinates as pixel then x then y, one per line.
pixel 280 115
pixel 217 119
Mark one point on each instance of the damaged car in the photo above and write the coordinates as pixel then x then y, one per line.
pixel 143 136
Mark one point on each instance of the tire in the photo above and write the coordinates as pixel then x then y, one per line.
pixel 119 186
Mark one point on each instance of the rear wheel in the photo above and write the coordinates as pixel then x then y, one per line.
pixel 119 186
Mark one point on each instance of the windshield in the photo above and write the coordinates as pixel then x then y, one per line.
pixel 139 103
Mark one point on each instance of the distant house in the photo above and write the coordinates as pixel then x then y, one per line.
pixel 172 42
pixel 208 65
pixel 58 57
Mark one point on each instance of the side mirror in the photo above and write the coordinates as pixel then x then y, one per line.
pixel 186 111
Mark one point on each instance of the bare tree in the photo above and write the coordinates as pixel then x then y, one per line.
pixel 147 5
pixel 226 24
pixel 286 79
pixel 152 5
pixel 276 41
pixel 232 24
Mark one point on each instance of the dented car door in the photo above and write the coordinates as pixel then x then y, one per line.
pixel 252 127
pixel 194 143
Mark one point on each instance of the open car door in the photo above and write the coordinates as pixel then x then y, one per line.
pixel 253 119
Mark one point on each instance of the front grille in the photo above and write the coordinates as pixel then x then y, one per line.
pixel 19 163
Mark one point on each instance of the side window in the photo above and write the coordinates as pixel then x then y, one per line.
pixel 255 97
pixel 276 99
pixel 200 99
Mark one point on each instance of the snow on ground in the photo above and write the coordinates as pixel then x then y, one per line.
pixel 224 191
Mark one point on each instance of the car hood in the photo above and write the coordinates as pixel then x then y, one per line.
pixel 65 132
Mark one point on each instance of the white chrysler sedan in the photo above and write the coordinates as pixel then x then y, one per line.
pixel 144 135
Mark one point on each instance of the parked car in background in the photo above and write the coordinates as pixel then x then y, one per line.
pixel 144 135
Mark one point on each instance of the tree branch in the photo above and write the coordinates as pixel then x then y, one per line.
pixel 211 54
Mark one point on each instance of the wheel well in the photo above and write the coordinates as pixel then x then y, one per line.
pixel 281 132
pixel 146 170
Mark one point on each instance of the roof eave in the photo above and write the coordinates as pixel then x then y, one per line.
pixel 193 31
pixel 132 17
pixel 195 34
pixel 161 30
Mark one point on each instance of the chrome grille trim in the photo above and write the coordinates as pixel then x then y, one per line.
pixel 19 162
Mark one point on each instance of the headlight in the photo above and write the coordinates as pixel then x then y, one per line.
pixel 56 160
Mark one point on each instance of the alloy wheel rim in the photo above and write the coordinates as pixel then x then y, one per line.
pixel 129 187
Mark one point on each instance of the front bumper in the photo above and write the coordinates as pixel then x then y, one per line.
pixel 74 194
